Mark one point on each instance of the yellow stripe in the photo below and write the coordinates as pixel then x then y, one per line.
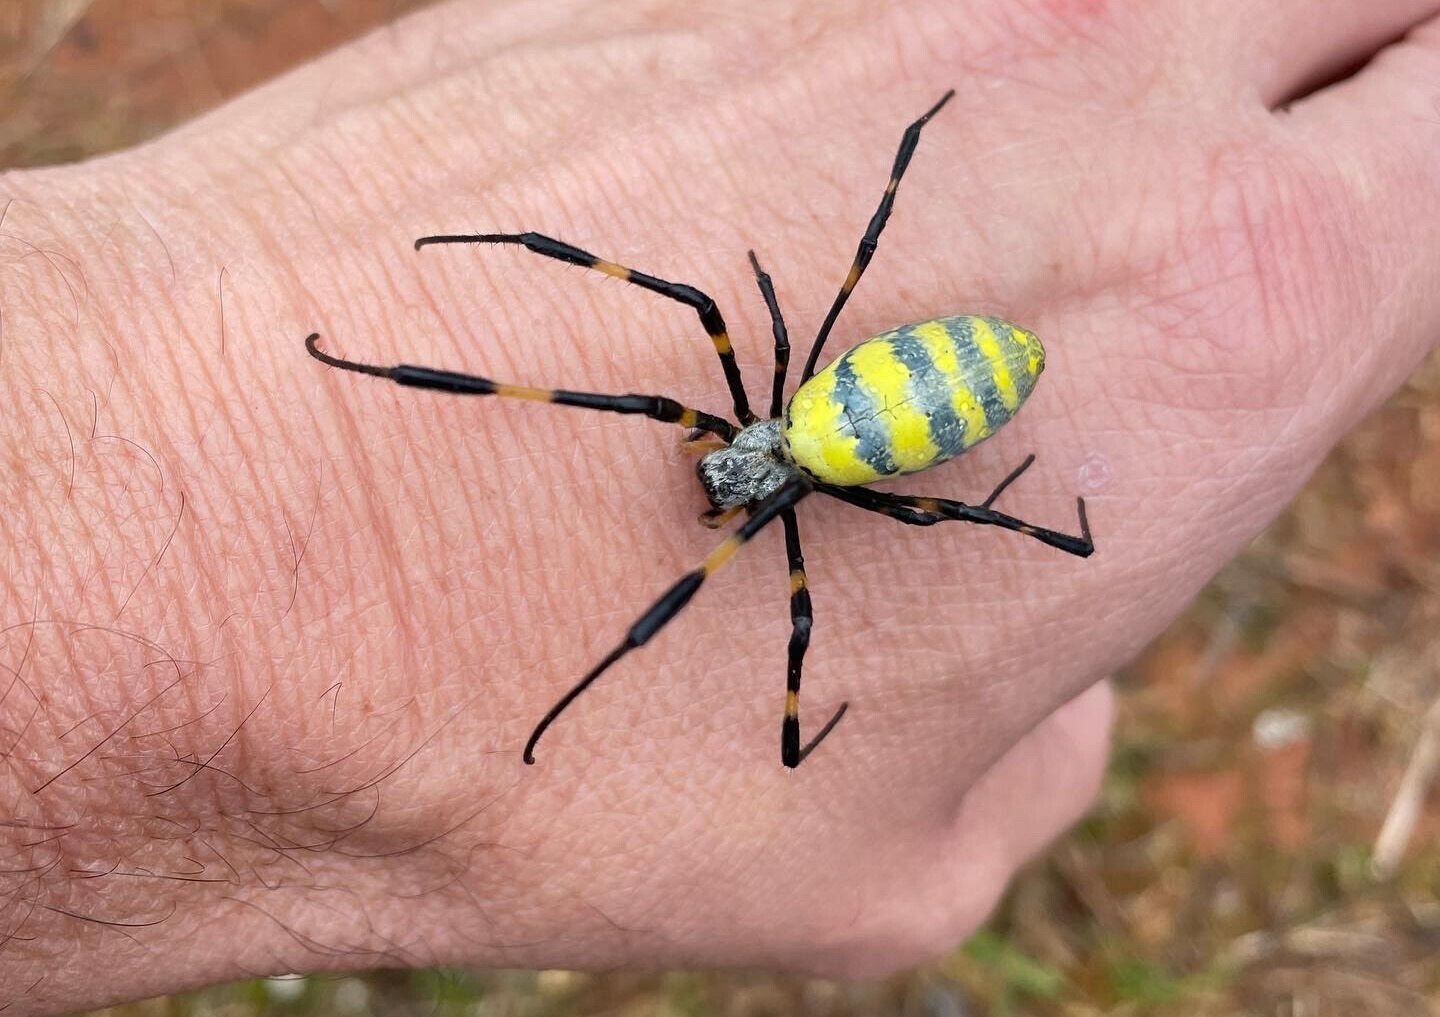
pixel 722 343
pixel 539 395
pixel 792 704
pixel 812 431
pixel 942 354
pixel 700 446
pixel 1034 352
pixel 688 418
pixel 723 553
pixel 716 518
pixel 989 345
pixel 1026 355
pixel 887 382
pixel 611 269
pixel 797 581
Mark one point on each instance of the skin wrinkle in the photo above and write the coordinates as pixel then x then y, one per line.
pixel 1355 271
pixel 1278 242
pixel 383 540
pixel 89 695
pixel 194 561
pixel 480 416
pixel 1256 234
pixel 1001 44
pixel 296 285
pixel 1082 278
pixel 531 138
pixel 425 462
pixel 1139 239
pixel 170 258
pixel 341 193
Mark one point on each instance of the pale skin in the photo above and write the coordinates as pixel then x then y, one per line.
pixel 274 636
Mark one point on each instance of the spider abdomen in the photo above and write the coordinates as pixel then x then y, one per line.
pixel 911 398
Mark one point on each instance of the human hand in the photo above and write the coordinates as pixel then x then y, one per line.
pixel 378 592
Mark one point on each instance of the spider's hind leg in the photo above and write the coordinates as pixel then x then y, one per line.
pixel 921 511
pixel 802 618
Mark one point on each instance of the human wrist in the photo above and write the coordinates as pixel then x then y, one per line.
pixel 189 741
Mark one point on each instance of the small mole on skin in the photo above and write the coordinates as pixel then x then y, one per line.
pixel 1095 474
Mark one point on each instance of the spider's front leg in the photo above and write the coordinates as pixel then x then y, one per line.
pixel 673 601
pixel 707 310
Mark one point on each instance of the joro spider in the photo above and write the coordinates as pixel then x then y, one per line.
pixel 897 403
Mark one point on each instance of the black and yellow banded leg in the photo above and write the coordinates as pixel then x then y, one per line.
pixel 782 336
pixel 918 511
pixel 655 407
pixel 705 307
pixel 908 141
pixel 673 600
pixel 802 617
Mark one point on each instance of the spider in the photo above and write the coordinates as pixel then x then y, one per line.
pixel 897 403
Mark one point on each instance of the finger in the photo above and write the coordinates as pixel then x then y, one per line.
pixel 1282 50
pixel 1031 795
pixel 1036 791
pixel 1401 81
pixel 1381 130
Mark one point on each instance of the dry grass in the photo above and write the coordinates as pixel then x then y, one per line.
pixel 1231 867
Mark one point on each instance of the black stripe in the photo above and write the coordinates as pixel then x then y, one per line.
pixel 975 371
pixel 445 381
pixel 557 249
pixel 660 408
pixel 667 607
pixel 931 391
pixel 871 430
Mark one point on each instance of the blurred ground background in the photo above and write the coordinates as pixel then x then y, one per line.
pixel 1236 864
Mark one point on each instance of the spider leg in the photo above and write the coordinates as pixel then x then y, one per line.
pixel 713 519
pixel 921 511
pixel 673 600
pixel 655 407
pixel 782 336
pixel 908 141
pixel 802 617
pixel 699 444
pixel 705 307
pixel 1010 478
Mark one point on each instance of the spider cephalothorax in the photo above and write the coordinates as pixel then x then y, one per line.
pixel 748 470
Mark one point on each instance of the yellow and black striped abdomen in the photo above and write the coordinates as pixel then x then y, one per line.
pixel 911 398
